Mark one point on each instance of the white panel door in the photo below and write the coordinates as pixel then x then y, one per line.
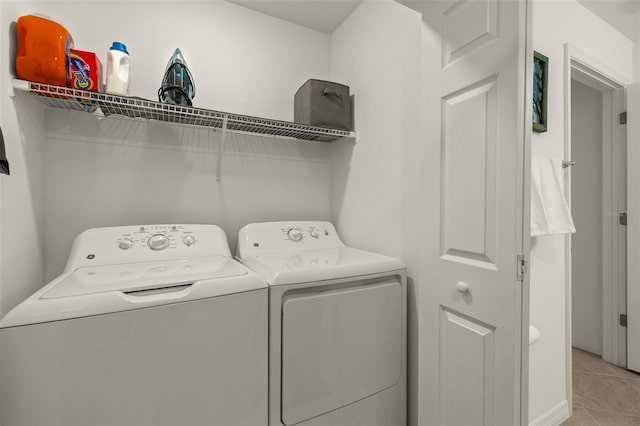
pixel 471 297
pixel 633 227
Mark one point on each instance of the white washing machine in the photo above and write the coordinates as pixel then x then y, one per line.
pixel 337 326
pixel 148 325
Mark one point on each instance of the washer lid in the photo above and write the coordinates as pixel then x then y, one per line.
pixel 89 291
pixel 134 277
pixel 289 267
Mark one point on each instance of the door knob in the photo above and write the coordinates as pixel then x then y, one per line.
pixel 462 287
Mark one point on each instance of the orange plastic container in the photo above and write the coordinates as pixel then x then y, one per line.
pixel 43 49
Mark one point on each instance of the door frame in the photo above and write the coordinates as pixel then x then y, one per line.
pixel 526 37
pixel 582 67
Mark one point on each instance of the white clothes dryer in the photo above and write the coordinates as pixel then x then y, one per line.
pixel 147 325
pixel 337 326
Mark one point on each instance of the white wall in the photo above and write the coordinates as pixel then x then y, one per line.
pixel 242 61
pixel 21 207
pixel 375 192
pixel 102 172
pixel 136 173
pixel 3 39
pixel 636 57
pixel 586 208
pixel 554 24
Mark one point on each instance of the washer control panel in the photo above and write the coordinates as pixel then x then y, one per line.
pixel 157 237
pixel 126 244
pixel 267 237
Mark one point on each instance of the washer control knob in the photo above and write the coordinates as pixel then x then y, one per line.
pixel 314 233
pixel 125 244
pixel 188 240
pixel 295 234
pixel 158 242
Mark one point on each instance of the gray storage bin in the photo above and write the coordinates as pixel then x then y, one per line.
pixel 323 104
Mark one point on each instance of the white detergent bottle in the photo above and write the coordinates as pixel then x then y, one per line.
pixel 118 66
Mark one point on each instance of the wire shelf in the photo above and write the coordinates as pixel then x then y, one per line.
pixel 133 107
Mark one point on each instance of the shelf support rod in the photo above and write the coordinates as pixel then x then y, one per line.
pixel 223 137
pixel 20 85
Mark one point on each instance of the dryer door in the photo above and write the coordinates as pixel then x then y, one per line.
pixel 339 347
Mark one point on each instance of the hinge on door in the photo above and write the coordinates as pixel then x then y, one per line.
pixel 622 118
pixel 522 266
pixel 623 320
pixel 622 218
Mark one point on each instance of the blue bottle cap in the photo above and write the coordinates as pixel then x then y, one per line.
pixel 119 46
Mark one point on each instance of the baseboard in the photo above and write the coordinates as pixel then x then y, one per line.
pixel 554 417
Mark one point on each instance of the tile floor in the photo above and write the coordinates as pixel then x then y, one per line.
pixel 603 394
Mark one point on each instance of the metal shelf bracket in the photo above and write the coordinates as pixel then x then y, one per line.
pixel 223 138
pixel 108 105
pixel 138 108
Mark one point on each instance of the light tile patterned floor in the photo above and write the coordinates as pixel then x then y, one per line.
pixel 603 394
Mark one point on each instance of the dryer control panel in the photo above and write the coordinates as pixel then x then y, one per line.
pixel 141 243
pixel 269 237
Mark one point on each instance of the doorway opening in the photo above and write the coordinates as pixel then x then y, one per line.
pixel 595 255
pixel 587 196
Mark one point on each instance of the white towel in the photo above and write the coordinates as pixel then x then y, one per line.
pixel 549 210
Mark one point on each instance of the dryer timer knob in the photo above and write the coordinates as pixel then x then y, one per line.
pixel 188 240
pixel 295 234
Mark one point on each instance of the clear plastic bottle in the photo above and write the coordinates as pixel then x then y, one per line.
pixel 118 69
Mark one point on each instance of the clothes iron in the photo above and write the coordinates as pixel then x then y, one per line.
pixel 178 87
